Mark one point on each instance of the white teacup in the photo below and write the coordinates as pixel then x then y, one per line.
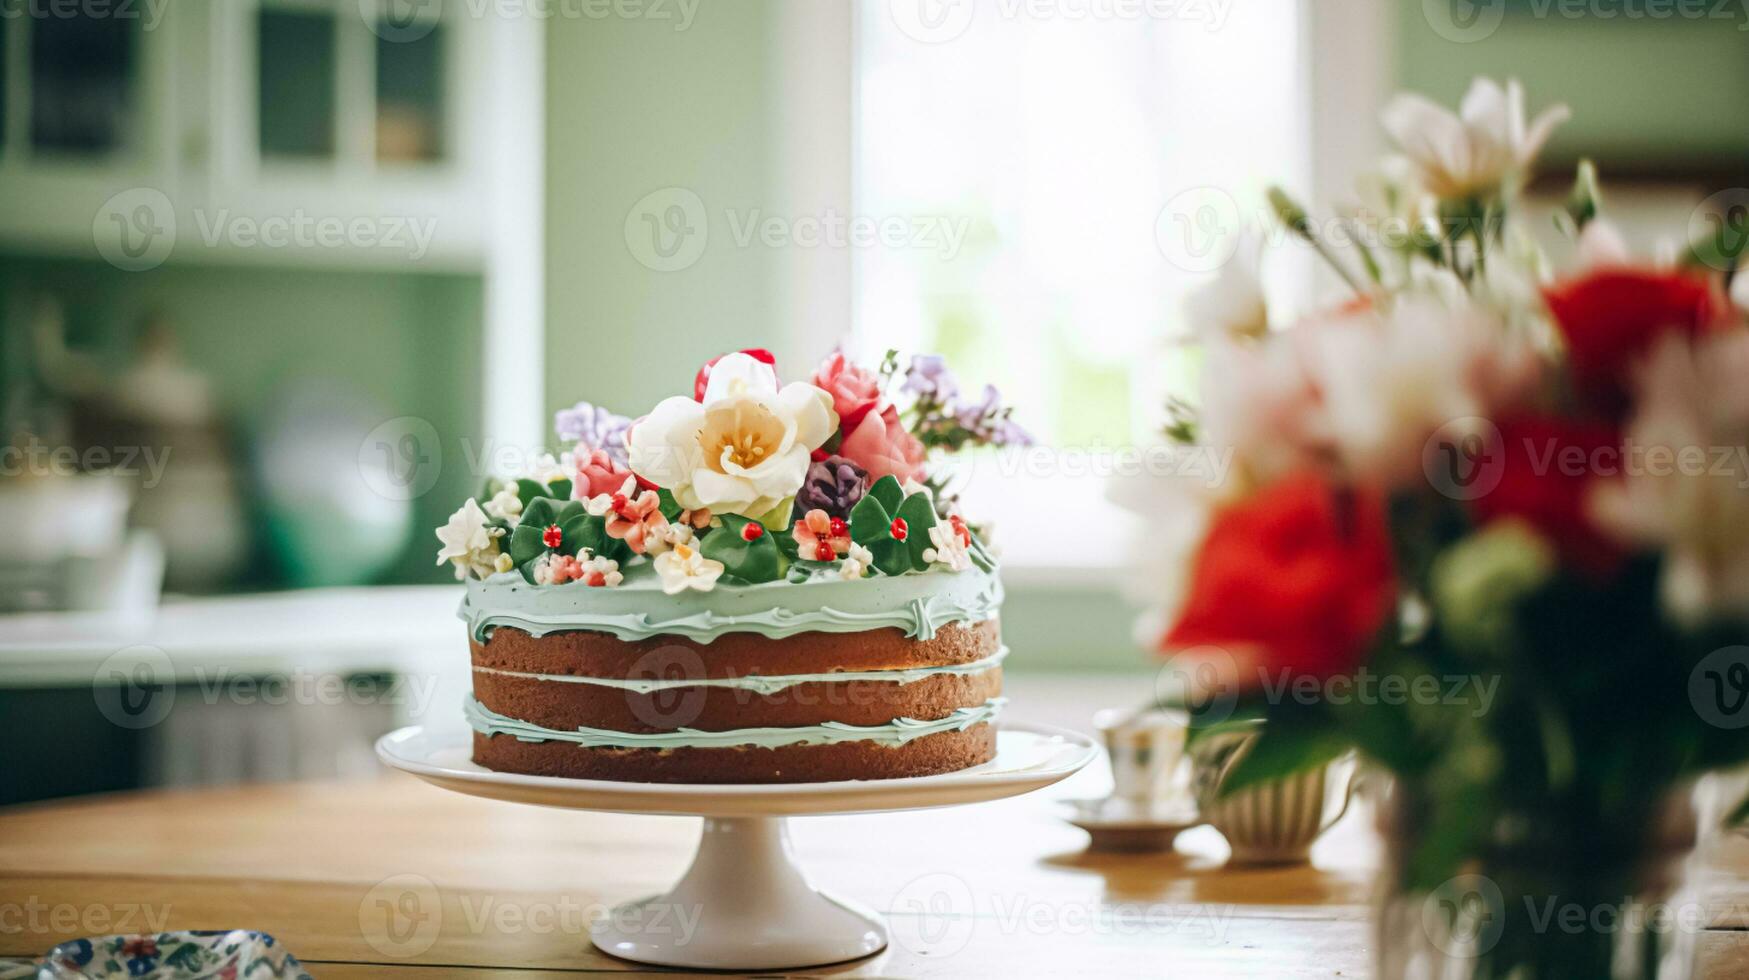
pixel 1274 822
pixel 1146 748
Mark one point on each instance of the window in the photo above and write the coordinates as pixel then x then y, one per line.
pixel 1072 141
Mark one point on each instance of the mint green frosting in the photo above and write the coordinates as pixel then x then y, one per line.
pixel 894 733
pixel 918 603
pixel 763 684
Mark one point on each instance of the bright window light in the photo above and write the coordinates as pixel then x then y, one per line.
pixel 1055 139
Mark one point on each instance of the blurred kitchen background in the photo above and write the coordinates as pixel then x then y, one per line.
pixel 281 279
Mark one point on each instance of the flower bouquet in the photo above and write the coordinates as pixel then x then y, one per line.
pixel 1487 524
pixel 746 479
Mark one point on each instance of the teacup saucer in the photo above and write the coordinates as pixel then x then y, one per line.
pixel 1133 826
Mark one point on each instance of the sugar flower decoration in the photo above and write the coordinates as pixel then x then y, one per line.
pixel 951 545
pixel 592 428
pixel 834 485
pixel 684 568
pixel 556 569
pixel 856 564
pixel 545 468
pixel 929 379
pixel 666 537
pixel 597 471
pixel 821 537
pixel 599 572
pixel 469 541
pixel 505 505
pixel 744 449
pixel 632 518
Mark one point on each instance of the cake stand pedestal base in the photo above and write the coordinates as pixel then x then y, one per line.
pixel 743 905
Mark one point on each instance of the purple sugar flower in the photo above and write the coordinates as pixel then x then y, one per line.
pixel 988 421
pixel 593 427
pixel 834 485
pixel 928 378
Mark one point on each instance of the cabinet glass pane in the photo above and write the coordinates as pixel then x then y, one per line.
pixel 297 60
pixel 410 96
pixel 81 83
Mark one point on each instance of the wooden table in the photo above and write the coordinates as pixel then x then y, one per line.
pixel 395 878
pixel 501 888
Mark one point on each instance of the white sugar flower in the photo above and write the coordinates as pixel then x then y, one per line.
pixel 684 568
pixel 545 468
pixel 470 542
pixel 950 548
pixel 601 504
pixel 857 563
pixel 599 572
pixel 505 505
pixel 1481 150
pixel 743 450
pixel 667 537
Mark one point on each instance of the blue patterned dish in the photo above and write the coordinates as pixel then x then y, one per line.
pixel 211 955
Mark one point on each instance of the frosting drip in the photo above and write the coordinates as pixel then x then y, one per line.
pixel 895 733
pixel 761 684
pixel 920 604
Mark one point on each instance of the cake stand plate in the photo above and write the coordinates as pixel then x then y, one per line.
pixel 745 903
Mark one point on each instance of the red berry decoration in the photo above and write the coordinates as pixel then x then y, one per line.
pixel 552 537
pixel 838 528
pixel 752 531
pixel 824 552
pixel 900 529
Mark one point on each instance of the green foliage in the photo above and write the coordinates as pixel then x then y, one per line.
pixel 577 530
pixel 1292 741
pixel 755 561
pixel 670 508
pixel 871 525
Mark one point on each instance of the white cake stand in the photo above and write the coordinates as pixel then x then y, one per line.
pixel 745 904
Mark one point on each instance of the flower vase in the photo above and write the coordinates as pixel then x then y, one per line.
pixel 1547 899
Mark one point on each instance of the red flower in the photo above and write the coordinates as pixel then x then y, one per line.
pixel 1611 317
pixel 703 378
pixel 1298 577
pixel 855 390
pixel 1549 466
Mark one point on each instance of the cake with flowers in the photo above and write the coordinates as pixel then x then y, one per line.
pixel 759 582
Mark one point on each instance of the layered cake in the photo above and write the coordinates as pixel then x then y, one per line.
pixel 757 583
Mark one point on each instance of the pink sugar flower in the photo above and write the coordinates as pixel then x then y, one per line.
pixel 820 537
pixel 632 520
